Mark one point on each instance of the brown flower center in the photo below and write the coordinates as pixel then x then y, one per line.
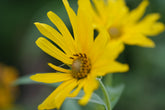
pixel 81 66
pixel 114 32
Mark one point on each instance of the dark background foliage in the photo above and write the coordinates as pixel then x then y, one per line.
pixel 145 89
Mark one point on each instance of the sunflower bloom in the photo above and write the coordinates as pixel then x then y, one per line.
pixel 121 24
pixel 7 76
pixel 87 57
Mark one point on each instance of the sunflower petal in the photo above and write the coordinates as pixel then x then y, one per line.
pixel 53 51
pixel 77 90
pixel 139 40
pixel 58 68
pixel 137 13
pixel 150 26
pixel 118 9
pixel 72 16
pixel 98 45
pixel 100 7
pixel 51 77
pixel 68 39
pixel 86 6
pixel 111 52
pixel 53 35
pixel 56 98
pixel 114 48
pixel 90 85
pixel 112 67
pixel 85 31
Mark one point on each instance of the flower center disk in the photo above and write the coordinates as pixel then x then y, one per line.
pixel 81 66
pixel 114 32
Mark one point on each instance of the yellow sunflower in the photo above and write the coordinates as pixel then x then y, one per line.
pixel 87 57
pixel 122 24
pixel 7 92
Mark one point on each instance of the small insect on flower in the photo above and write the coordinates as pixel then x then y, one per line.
pixel 122 24
pixel 87 57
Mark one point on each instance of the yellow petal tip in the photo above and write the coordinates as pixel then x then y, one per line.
pixel 151 45
pixel 40 107
pixel 49 13
pixel 146 2
pixel 36 23
pixel 66 1
pixel 38 40
pixel 33 77
pixel 82 102
pixel 126 67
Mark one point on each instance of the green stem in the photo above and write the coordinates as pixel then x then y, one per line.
pixel 108 104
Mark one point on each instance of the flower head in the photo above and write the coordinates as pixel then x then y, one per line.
pixel 7 76
pixel 87 57
pixel 122 24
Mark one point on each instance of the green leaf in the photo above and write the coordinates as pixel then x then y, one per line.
pixel 94 99
pixel 108 80
pixel 71 105
pixel 115 93
pixel 26 80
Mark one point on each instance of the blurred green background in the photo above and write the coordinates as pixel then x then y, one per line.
pixel 145 82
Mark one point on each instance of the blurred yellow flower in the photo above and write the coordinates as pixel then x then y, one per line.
pixel 7 92
pixel 123 25
pixel 87 57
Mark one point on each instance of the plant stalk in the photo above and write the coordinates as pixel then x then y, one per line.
pixel 107 98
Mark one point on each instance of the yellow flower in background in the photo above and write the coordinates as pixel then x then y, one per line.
pixel 122 24
pixel 87 57
pixel 7 92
